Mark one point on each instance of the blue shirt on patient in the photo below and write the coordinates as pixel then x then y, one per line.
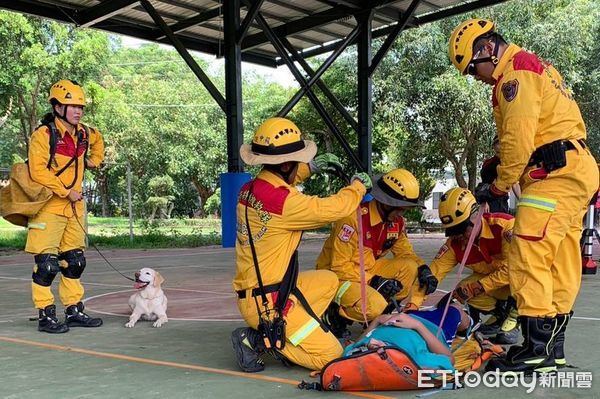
pixel 412 343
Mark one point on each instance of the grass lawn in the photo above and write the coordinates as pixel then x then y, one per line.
pixel 114 232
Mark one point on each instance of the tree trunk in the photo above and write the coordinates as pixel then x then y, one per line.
pixel 472 167
pixel 102 182
pixel 4 118
pixel 204 194
pixel 170 209
pixel 28 114
pixel 151 218
pixel 458 172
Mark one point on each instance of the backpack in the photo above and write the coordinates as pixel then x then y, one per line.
pixel 23 198
pixel 383 369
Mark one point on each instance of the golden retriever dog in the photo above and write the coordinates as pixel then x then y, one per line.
pixel 150 302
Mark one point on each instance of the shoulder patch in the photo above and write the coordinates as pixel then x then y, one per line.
pixel 527 61
pixel 442 251
pixel 346 233
pixel 269 198
pixel 510 89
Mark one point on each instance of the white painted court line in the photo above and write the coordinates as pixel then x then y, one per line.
pixel 170 318
pixel 131 271
pixel 586 318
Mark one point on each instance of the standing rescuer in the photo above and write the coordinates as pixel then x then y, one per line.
pixel 271 216
pixel 59 151
pixel 542 145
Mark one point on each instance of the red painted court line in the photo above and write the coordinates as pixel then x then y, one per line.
pixel 154 362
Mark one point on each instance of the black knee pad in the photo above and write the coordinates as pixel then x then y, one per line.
pixel 75 263
pixel 46 269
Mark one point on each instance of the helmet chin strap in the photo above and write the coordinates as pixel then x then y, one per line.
pixel 492 58
pixel 64 116
pixel 385 210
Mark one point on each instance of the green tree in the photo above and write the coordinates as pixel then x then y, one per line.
pixel 161 200
pixel 34 54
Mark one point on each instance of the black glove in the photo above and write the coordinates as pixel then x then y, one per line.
pixel 487 192
pixel 427 279
pixel 388 288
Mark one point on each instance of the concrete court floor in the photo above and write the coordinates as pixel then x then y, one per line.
pixel 191 356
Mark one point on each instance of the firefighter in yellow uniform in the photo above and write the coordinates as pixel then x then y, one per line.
pixel 383 232
pixel 486 290
pixel 542 145
pixel 271 216
pixel 55 235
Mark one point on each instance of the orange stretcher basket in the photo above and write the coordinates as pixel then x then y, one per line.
pixel 383 369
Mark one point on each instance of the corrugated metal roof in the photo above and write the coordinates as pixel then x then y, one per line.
pixel 310 25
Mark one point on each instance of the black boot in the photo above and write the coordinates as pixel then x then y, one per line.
pixel 48 322
pixel 75 317
pixel 248 346
pixel 337 324
pixel 559 340
pixel 535 353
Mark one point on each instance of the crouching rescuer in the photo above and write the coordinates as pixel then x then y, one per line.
pixel 389 278
pixel 281 306
pixel 60 150
pixel 487 289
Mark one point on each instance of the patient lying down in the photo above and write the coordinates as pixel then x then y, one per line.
pixel 415 334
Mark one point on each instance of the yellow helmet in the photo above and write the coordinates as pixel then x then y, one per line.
pixel 456 207
pixel 276 141
pixel 460 46
pixel 397 188
pixel 67 92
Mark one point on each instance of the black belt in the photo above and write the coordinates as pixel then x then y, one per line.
pixel 536 157
pixel 256 291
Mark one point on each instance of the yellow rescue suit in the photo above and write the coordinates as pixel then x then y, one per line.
pixel 278 213
pixel 56 228
pixel 488 259
pixel 340 254
pixel 533 108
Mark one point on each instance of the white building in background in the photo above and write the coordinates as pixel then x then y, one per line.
pixel 431 215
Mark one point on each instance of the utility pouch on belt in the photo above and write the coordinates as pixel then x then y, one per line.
pixel 553 156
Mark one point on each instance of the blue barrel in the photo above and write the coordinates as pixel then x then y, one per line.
pixel 231 183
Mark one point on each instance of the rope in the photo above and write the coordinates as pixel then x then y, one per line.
pixel 474 233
